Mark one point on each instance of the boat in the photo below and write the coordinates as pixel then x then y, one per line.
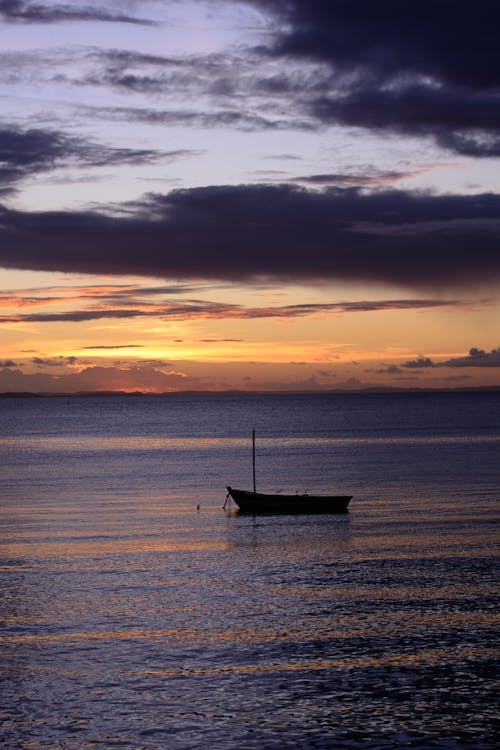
pixel 261 502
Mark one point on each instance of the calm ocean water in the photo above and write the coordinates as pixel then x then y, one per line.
pixel 132 619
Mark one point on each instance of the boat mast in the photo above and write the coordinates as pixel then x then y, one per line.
pixel 253 459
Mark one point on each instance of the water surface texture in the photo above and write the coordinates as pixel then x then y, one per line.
pixel 131 618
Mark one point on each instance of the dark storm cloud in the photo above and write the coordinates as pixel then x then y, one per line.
pixel 445 40
pixel 416 67
pixel 251 232
pixel 458 119
pixel 23 11
pixel 24 152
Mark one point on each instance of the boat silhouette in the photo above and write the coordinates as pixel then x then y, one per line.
pixel 262 502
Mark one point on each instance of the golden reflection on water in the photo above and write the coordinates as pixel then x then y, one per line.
pixel 139 442
pixel 102 548
pixel 386 593
pixel 345 628
pixel 422 658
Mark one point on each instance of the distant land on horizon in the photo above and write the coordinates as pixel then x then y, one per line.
pixel 339 392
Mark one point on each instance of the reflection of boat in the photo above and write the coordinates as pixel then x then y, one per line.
pixel 260 502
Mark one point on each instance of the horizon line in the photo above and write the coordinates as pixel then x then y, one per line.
pixel 264 392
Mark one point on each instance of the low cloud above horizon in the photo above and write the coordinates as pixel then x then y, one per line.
pixel 160 377
pixel 474 358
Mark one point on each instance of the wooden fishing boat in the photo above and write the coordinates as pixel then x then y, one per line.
pixel 261 502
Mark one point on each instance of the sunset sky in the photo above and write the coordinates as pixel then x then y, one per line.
pixel 249 194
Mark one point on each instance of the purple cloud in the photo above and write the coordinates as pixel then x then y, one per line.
pixel 475 358
pixel 257 232
pixel 196 309
pixel 418 68
pixel 24 11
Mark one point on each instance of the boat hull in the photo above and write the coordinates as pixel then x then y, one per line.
pixel 259 502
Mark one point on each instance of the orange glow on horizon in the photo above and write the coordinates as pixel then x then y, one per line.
pixel 272 337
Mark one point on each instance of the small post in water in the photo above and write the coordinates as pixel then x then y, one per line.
pixel 253 459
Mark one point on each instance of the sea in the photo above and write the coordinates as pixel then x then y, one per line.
pixel 137 612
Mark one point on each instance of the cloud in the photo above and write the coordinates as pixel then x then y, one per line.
pixel 233 117
pixel 72 316
pixel 199 91
pixel 459 120
pixel 107 296
pixel 141 378
pixel 421 68
pixel 418 364
pixel 329 64
pixel 378 178
pixel 203 309
pixel 115 346
pixel 220 90
pixel 219 341
pixel 54 362
pixel 283 232
pixel 25 152
pixel 415 38
pixel 457 378
pixel 475 358
pixel 136 72
pixel 388 370
pixel 23 11
pixel 13 300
